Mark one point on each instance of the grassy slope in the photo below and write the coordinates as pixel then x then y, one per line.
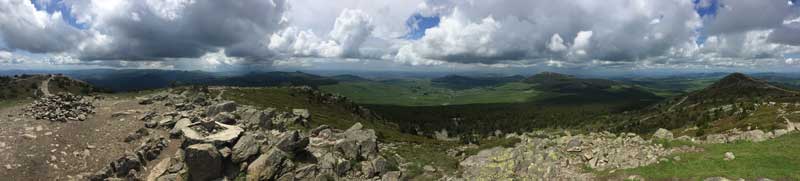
pixel 775 159
pixel 424 93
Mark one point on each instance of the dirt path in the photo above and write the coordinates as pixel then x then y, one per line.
pixel 45 87
pixel 43 150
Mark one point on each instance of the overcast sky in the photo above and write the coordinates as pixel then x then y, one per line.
pixel 419 35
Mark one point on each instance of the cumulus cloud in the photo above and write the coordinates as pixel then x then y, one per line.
pixel 502 31
pixel 351 29
pixel 515 33
pixel 25 28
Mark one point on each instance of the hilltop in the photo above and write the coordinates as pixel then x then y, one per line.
pixel 735 101
pixel 741 86
pixel 34 86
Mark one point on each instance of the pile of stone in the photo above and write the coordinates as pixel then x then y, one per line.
pixel 259 145
pixel 62 107
pixel 563 157
pixel 130 165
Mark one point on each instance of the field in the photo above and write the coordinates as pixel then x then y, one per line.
pixel 418 92
pixel 775 159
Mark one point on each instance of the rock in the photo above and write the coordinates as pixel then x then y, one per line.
pixel 267 166
pixel 716 138
pixel 729 156
pixel 151 124
pixel 167 122
pixel 158 170
pixel 227 136
pixel 356 126
pixel 716 179
pixel 429 168
pixel 779 132
pixel 168 177
pixel 292 142
pixel 574 145
pixel 177 129
pixel 392 176
pixel 245 148
pixel 754 136
pixel 225 152
pixel 29 136
pixel 225 117
pixel 379 167
pixel 303 113
pixel 307 172
pixel 357 144
pixel 141 132
pixel 662 133
pixel 123 166
pixel 314 132
pixel 203 162
pixel 228 106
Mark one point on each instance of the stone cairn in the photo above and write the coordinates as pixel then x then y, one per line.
pixel 61 107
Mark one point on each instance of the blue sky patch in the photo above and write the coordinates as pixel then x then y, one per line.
pixel 52 6
pixel 706 12
pixel 417 24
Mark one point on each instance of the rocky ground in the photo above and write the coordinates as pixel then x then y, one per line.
pixel 34 149
pixel 192 134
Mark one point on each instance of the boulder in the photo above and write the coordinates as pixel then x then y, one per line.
pixel 662 133
pixel 204 162
pixel 179 125
pixel 357 144
pixel 303 113
pixel 225 117
pixel 228 106
pixel 267 166
pixel 226 136
pixel 245 148
pixel 729 156
pixel 292 142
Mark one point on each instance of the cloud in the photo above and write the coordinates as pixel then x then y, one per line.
pixel 736 16
pixel 25 28
pixel 556 43
pixel 351 29
pixel 492 32
pixel 152 30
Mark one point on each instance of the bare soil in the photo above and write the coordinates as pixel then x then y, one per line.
pixel 44 150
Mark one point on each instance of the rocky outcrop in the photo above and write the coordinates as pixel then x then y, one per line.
pixel 562 158
pixel 62 107
pixel 258 144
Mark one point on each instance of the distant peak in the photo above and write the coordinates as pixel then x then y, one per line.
pixel 737 78
pixel 553 75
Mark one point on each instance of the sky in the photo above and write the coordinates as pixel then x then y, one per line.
pixel 407 35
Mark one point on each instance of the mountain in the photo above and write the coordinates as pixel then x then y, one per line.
pixel 348 78
pixel 459 82
pixel 735 101
pixel 741 86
